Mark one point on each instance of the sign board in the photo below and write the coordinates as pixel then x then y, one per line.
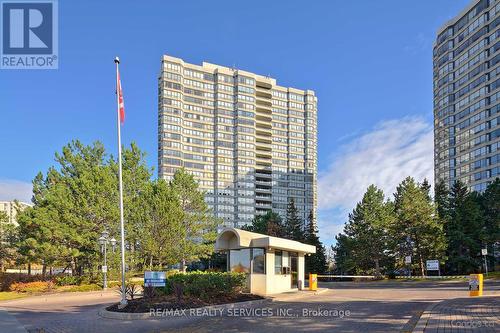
pixel 155 279
pixel 432 265
pixel 104 269
pixel 484 252
pixel 408 260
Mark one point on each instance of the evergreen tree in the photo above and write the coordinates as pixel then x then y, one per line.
pixel 160 225
pixel 343 250
pixel 198 223
pixel 8 238
pixel 293 224
pixel 441 200
pixel 491 208
pixel 462 230
pixel 426 188
pixel 367 227
pixel 269 224
pixel 417 224
pixel 314 263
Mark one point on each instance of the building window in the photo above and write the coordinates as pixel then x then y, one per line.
pixel 282 262
pixel 247 260
pixel 258 261
pixel 239 260
pixel 278 255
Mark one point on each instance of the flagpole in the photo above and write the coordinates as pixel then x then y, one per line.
pixel 123 301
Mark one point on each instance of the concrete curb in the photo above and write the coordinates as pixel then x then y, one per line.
pixel 145 316
pixel 293 296
pixel 424 318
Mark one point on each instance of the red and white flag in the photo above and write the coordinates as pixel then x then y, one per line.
pixel 120 98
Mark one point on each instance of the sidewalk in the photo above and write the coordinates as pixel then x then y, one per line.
pixel 472 314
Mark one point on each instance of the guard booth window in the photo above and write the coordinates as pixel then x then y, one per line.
pixel 277 262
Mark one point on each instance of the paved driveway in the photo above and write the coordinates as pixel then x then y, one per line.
pixel 388 306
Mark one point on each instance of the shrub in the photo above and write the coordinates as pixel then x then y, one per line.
pixel 113 284
pixel 90 279
pixel 32 287
pixel 131 290
pixel 205 284
pixel 149 292
pixel 7 279
pixel 68 280
pixel 84 287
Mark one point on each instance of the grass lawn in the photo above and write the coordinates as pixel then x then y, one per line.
pixel 8 295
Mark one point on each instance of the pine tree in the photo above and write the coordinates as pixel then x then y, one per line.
pixel 367 227
pixel 491 207
pixel 417 224
pixel 293 224
pixel 8 239
pixel 198 223
pixel 464 230
pixel 314 263
pixel 426 188
pixel 441 200
pixel 269 224
pixel 343 250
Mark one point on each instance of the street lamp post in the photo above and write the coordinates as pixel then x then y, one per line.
pixel 103 241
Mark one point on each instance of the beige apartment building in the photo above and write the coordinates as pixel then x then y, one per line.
pixel 250 143
pixel 10 209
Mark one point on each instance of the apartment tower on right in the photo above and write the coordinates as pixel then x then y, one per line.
pixel 467 97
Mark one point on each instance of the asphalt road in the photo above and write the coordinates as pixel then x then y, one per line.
pixel 386 306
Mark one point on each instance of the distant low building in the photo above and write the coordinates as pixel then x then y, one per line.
pixel 10 208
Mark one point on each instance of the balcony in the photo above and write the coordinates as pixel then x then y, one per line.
pixel 264 103
pixel 262 84
pixel 264 154
pixel 263 146
pixel 266 118
pixel 263 109
pixel 263 190
pixel 263 205
pixel 265 132
pixel 264 93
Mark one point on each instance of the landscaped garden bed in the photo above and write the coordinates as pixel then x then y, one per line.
pixel 190 290
pixel 16 285
pixel 168 302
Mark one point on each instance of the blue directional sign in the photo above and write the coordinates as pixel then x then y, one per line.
pixel 155 279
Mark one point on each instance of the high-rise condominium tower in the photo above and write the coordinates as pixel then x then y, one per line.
pixel 467 97
pixel 250 143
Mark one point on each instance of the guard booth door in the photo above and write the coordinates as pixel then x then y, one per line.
pixel 294 263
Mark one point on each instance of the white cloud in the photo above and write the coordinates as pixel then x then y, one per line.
pixel 386 155
pixel 14 189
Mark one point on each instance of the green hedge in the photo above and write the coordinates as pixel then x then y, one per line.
pixel 68 280
pixel 207 284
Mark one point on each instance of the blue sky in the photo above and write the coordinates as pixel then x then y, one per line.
pixel 370 63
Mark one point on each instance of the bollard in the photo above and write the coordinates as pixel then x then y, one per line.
pixel 313 282
pixel 476 285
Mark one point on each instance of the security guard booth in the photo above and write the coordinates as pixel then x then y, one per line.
pixel 272 264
